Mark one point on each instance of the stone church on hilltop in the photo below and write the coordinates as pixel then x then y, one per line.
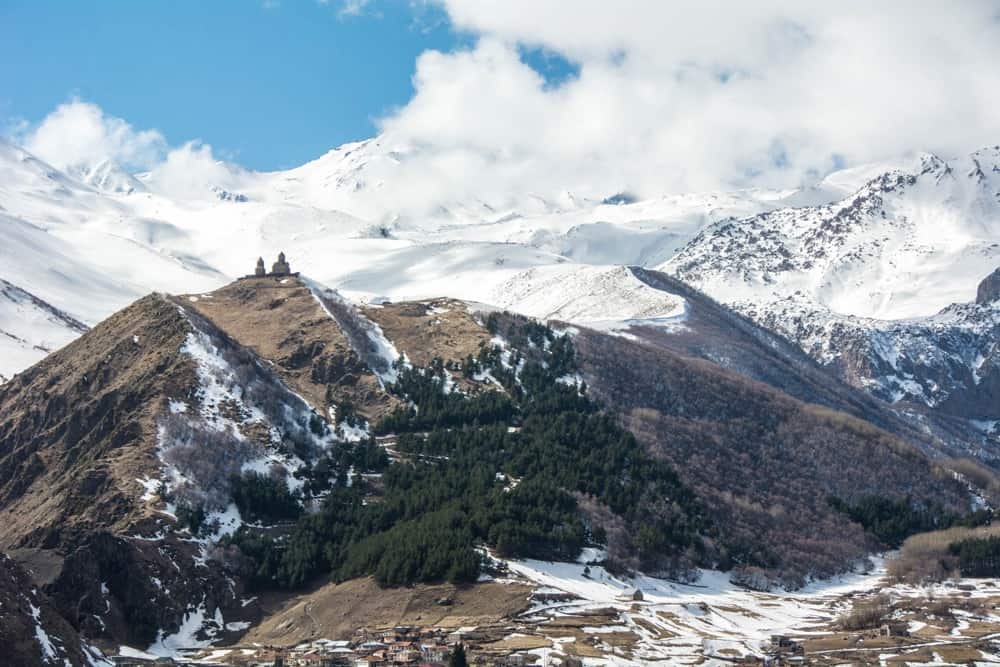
pixel 279 269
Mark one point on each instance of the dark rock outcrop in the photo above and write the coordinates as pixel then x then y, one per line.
pixel 989 289
pixel 32 632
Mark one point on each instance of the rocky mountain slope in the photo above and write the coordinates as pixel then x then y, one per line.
pixel 32 632
pixel 165 453
pixel 881 286
pixel 764 463
pixel 108 443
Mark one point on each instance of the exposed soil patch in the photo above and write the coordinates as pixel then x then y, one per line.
pixel 426 329
pixel 281 321
pixel 335 611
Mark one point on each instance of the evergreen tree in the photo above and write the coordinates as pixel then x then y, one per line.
pixel 458 658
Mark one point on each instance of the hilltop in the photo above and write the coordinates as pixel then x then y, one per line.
pixel 273 436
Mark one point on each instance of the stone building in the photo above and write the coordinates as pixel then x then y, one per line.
pixel 281 267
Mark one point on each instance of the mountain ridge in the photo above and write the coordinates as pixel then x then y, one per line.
pixel 133 455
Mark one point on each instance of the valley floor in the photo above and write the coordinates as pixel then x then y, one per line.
pixel 574 613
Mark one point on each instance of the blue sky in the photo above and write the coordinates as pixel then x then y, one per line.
pixel 507 96
pixel 267 86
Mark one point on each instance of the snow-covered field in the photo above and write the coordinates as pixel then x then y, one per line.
pixel 581 609
pixel 590 295
pixel 686 623
pixel 714 622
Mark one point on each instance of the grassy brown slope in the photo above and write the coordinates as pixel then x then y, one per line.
pixel 77 431
pixel 78 428
pixel 335 610
pixel 764 462
pixel 281 321
pixel 437 328
pixel 714 332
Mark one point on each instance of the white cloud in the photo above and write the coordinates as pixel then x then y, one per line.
pixel 353 7
pixel 190 171
pixel 80 133
pixel 348 7
pixel 675 95
pixel 668 97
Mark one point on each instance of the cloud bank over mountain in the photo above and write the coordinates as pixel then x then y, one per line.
pixel 660 97
pixel 689 96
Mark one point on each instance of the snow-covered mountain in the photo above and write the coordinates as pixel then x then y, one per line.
pixel 880 286
pixel 909 242
pixel 33 327
pixel 91 241
pixel 861 268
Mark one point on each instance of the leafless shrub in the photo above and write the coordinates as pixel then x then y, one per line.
pixel 230 557
pixel 754 578
pixel 206 457
pixel 866 615
pixel 261 388
pixel 940 608
pixel 979 476
pixel 600 519
pixel 763 465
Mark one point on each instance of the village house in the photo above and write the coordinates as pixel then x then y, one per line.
pixel 634 595
pixel 890 629
pixel 404 653
pixel 464 635
pixel 309 660
pixel 435 653
pixel 551 595
pixel 783 646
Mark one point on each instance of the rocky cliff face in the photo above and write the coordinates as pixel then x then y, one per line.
pixel 941 370
pixel 32 632
pixel 989 290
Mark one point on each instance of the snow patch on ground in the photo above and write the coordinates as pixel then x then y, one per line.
pixel 595 296
pixel 197 624
pixel 376 341
pixel 677 622
pixel 48 649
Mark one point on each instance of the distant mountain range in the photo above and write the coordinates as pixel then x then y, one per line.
pixel 872 270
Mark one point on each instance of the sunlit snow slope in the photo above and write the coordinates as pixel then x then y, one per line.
pixel 94 238
pixel 859 268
